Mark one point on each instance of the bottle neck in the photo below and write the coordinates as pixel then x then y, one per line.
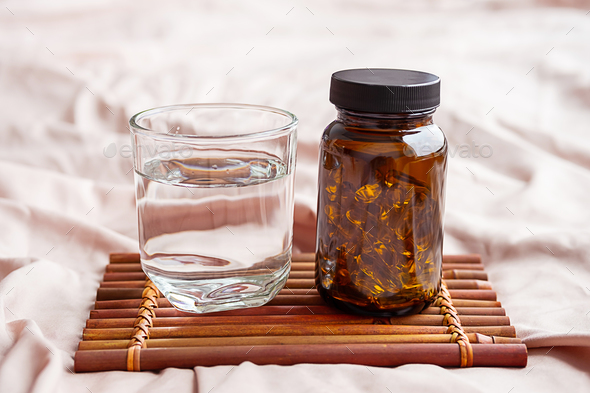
pixel 385 122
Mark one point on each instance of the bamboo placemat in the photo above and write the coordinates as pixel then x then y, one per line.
pixel 132 327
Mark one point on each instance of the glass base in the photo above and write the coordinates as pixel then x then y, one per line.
pixel 220 294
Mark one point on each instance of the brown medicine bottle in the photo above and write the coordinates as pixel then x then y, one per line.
pixel 381 193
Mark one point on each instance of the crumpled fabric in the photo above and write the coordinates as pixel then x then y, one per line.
pixel 515 108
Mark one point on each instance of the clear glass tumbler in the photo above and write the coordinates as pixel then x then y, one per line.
pixel 214 189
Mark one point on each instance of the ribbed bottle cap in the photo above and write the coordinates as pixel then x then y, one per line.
pixel 382 90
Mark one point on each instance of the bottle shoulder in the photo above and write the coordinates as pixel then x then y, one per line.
pixel 420 142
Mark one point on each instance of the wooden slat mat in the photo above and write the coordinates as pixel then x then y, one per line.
pixel 132 327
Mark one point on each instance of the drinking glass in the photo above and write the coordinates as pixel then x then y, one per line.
pixel 214 192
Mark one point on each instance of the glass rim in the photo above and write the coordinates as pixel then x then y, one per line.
pixel 137 129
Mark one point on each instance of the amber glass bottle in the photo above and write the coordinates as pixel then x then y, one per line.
pixel 381 193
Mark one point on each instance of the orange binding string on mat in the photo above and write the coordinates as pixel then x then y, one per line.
pixel 451 319
pixel 142 324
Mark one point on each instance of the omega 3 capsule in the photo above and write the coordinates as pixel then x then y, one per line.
pixel 381 193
